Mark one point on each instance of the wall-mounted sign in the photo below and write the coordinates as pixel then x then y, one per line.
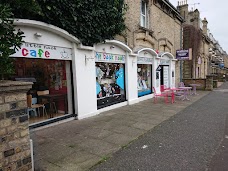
pixel 164 62
pixel 158 68
pixel 107 57
pixel 144 60
pixel 40 51
pixel 184 54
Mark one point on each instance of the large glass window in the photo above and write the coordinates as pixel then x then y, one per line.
pixel 48 97
pixel 144 79
pixel 110 84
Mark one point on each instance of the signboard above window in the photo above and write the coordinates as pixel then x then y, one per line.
pixel 184 54
pixel 40 51
pixel 144 60
pixel 109 58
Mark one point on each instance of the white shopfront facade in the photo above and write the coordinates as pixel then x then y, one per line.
pixel 109 67
pixel 96 79
pixel 48 59
pixel 147 62
pixel 167 69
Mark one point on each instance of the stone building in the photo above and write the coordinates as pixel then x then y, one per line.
pixel 206 50
pixel 154 24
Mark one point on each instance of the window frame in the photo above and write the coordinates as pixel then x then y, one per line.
pixel 144 17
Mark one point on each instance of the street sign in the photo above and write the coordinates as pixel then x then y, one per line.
pixel 184 54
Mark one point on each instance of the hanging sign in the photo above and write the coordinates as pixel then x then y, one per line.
pixel 144 60
pixel 107 57
pixel 40 51
pixel 184 54
pixel 158 68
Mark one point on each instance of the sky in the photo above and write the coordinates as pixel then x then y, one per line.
pixel 216 13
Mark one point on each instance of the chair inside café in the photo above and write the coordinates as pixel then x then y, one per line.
pixel 45 101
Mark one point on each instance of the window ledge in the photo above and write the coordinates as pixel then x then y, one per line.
pixel 146 29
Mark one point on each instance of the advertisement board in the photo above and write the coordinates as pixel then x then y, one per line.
pixel 184 54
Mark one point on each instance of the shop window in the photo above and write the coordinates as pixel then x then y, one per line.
pixel 49 88
pixel 144 79
pixel 144 14
pixel 110 84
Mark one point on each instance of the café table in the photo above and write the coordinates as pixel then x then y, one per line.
pixel 194 88
pixel 172 93
pixel 174 89
pixel 53 98
pixel 185 89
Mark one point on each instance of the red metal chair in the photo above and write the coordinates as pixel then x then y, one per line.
pixel 156 95
pixel 163 88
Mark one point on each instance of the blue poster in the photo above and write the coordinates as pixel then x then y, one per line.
pixel 120 78
pixel 98 88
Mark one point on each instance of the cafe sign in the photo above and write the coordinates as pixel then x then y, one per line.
pixel 108 57
pixel 40 51
pixel 144 60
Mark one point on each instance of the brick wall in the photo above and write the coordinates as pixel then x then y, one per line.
pixel 201 82
pixel 15 151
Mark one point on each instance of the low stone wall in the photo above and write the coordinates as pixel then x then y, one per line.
pixel 219 77
pixel 201 82
pixel 209 83
pixel 15 151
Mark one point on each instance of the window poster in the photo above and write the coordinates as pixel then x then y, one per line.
pixel 110 83
pixel 144 79
pixel 166 76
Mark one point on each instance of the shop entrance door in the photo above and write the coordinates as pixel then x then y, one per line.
pixel 165 75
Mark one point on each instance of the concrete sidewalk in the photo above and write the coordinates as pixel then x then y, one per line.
pixel 80 144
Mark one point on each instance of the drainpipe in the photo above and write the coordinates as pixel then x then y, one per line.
pixel 181 47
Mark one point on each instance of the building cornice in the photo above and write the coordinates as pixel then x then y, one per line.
pixel 172 10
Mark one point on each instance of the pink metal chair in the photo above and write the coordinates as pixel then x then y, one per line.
pixel 181 84
pixel 180 93
pixel 163 88
pixel 156 95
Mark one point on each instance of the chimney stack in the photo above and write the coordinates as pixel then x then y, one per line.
pixel 204 21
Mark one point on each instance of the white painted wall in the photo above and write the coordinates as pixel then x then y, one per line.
pixel 47 38
pixel 157 81
pixel 84 82
pixel 173 70
pixel 131 79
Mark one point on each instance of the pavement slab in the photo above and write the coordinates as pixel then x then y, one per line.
pixel 186 141
pixel 80 144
